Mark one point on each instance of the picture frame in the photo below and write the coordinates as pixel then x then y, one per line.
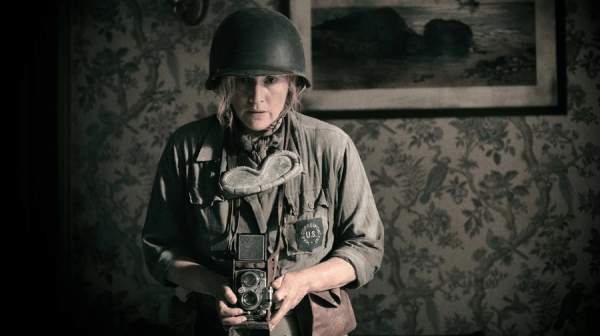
pixel 544 93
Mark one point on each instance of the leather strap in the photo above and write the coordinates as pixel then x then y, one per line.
pixel 274 258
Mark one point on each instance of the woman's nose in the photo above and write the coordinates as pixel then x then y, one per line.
pixel 256 94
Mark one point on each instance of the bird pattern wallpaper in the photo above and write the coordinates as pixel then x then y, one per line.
pixel 492 222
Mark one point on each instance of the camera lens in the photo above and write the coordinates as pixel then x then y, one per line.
pixel 249 279
pixel 249 300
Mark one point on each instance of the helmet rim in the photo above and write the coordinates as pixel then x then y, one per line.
pixel 256 42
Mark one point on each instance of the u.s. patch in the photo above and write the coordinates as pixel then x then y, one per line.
pixel 309 234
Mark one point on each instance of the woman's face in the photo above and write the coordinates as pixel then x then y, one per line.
pixel 258 101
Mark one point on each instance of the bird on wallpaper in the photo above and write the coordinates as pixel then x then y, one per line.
pixel 422 289
pixel 436 177
pixel 554 165
pixel 501 245
pixel 569 305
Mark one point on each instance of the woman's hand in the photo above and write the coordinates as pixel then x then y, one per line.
pixel 289 288
pixel 229 316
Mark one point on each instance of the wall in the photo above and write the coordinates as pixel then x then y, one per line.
pixel 507 242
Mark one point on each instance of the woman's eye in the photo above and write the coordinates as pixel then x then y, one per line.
pixel 243 80
pixel 270 80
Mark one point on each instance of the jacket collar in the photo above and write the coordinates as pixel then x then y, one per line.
pixel 212 147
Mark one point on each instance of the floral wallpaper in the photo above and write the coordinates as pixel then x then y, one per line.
pixel 492 223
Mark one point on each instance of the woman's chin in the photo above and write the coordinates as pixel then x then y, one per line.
pixel 256 126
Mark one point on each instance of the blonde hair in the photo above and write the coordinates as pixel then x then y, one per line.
pixel 225 90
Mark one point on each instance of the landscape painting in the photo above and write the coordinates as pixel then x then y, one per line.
pixel 396 54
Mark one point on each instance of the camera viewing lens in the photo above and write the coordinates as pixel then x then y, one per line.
pixel 249 300
pixel 249 279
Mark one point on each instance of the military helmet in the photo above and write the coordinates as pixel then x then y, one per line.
pixel 256 42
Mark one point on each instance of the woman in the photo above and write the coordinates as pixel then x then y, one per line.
pixel 330 234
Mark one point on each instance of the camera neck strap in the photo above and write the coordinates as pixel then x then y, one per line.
pixel 274 257
pixel 234 207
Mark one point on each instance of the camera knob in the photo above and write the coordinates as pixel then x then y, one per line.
pixel 258 291
pixel 241 290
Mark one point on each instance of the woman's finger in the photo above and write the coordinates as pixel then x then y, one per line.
pixel 233 320
pixel 229 294
pixel 276 284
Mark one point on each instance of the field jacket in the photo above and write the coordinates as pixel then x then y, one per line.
pixel 329 208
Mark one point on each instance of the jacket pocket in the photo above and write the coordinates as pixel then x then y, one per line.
pixel 309 231
pixel 209 212
pixel 203 187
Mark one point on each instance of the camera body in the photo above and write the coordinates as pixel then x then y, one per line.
pixel 250 277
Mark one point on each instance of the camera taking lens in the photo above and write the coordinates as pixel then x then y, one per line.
pixel 249 301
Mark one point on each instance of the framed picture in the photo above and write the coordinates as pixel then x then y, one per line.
pixel 482 56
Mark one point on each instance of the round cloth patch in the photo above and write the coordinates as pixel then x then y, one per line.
pixel 309 234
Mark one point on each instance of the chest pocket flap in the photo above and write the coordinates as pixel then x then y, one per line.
pixel 310 200
pixel 203 187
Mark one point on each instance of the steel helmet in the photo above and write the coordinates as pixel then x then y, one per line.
pixel 256 42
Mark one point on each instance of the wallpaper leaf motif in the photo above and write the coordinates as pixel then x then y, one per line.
pixel 497 194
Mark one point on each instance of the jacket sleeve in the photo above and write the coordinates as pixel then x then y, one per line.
pixel 359 231
pixel 165 229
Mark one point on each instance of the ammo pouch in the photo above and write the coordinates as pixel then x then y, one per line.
pixel 326 313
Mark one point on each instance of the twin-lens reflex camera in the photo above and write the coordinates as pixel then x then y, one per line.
pixel 250 278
